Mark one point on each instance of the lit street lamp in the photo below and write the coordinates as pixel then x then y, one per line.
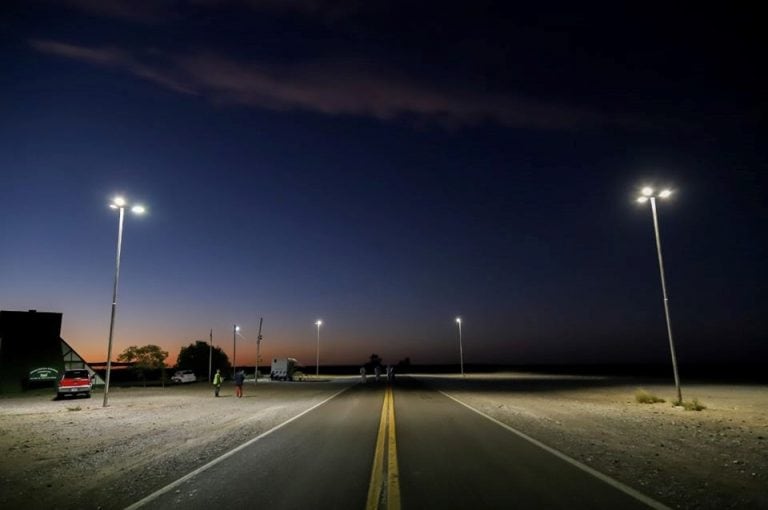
pixel 235 331
pixel 120 204
pixel 649 194
pixel 461 350
pixel 317 357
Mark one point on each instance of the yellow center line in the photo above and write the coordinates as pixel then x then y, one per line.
pixel 393 475
pixel 386 439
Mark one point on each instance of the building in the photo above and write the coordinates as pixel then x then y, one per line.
pixel 32 352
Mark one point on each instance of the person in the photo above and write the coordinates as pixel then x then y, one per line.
pixel 390 374
pixel 217 382
pixel 239 379
pixel 362 374
pixel 377 371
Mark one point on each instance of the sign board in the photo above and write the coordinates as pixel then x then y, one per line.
pixel 44 374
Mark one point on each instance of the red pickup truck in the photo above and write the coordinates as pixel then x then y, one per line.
pixel 74 382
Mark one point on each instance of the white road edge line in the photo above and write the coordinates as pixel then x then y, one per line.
pixel 597 474
pixel 215 461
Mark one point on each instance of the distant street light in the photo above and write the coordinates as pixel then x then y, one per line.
pixel 649 194
pixel 235 331
pixel 461 350
pixel 317 356
pixel 120 204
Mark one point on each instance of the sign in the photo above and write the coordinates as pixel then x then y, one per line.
pixel 44 374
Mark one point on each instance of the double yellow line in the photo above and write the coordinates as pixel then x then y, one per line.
pixel 384 489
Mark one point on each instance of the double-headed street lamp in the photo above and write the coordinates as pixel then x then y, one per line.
pixel 318 323
pixel 461 350
pixel 120 204
pixel 649 194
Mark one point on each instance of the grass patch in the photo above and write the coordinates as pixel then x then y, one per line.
pixel 76 408
pixel 691 405
pixel 644 397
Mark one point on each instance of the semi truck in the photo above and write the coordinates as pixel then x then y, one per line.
pixel 285 369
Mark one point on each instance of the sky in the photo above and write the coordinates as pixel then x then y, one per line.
pixel 387 167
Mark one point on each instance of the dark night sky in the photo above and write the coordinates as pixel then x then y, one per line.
pixel 387 167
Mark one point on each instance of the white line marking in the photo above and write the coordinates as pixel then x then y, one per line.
pixel 212 463
pixel 597 474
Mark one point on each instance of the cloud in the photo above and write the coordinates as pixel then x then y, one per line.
pixel 155 11
pixel 343 87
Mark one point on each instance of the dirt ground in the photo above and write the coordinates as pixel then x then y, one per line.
pixel 74 453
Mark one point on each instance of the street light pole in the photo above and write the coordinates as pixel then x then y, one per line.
pixel 235 329
pixel 649 195
pixel 317 355
pixel 120 204
pixel 210 355
pixel 258 349
pixel 461 350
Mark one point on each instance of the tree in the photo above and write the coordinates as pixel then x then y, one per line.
pixel 375 361
pixel 147 357
pixel 195 357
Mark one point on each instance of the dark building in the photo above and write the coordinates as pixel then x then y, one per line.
pixel 32 352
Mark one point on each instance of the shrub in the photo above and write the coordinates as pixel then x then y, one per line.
pixel 692 405
pixel 644 397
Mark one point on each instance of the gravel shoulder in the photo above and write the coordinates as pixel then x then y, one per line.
pixel 711 459
pixel 74 453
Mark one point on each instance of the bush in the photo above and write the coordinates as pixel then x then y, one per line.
pixel 692 405
pixel 644 397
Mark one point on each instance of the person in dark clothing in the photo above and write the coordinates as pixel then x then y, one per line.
pixel 239 379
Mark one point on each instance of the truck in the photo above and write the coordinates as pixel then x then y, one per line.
pixel 285 369
pixel 75 382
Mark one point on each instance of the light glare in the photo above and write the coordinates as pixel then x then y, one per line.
pixel 138 209
pixel 458 319
pixel 642 200
pixel 319 323
pixel 665 193
pixel 647 191
pixel 119 201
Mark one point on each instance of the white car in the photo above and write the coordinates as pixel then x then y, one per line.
pixel 184 376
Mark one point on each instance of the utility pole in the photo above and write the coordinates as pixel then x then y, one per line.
pixel 258 347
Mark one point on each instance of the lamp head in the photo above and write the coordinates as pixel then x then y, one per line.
pixel 319 323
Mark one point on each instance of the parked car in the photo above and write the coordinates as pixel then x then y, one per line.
pixel 184 376
pixel 75 382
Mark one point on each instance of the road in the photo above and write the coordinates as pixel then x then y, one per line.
pixel 404 446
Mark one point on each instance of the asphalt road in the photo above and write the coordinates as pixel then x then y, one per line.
pixel 447 457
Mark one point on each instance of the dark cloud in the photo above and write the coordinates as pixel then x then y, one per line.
pixel 153 11
pixel 345 87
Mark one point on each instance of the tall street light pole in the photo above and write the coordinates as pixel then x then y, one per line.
pixel 235 330
pixel 648 194
pixel 461 350
pixel 120 204
pixel 210 355
pixel 317 355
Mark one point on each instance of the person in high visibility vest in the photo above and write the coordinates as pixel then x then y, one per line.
pixel 217 382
